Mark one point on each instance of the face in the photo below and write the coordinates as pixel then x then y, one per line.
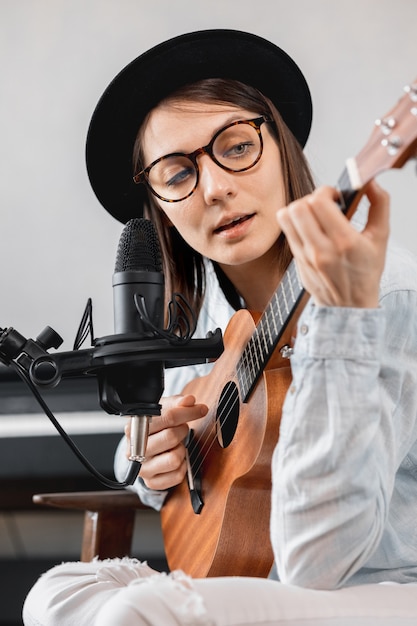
pixel 230 217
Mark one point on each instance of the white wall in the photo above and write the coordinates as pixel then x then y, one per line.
pixel 57 245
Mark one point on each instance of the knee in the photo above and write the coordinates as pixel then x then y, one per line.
pixel 128 606
pixel 69 593
pixel 38 605
pixel 162 600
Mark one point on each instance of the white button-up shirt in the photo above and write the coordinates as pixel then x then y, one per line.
pixel 344 493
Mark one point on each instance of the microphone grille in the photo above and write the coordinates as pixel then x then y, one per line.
pixel 138 247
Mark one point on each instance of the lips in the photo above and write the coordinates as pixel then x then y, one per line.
pixel 233 223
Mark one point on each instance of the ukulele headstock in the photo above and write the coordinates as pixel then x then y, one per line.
pixel 392 143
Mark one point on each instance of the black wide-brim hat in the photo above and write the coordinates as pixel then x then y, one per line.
pixel 152 76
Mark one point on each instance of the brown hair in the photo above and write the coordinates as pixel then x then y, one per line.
pixel 183 266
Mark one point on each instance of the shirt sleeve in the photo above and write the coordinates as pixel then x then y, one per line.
pixel 334 465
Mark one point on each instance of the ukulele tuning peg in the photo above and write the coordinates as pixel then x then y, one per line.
pixel 386 124
pixel 392 145
pixel 412 91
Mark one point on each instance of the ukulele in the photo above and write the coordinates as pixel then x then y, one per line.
pixel 216 522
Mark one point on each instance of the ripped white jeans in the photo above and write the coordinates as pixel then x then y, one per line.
pixel 125 592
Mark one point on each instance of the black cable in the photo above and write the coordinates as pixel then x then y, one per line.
pixel 181 326
pixel 180 313
pixel 86 326
pixel 134 467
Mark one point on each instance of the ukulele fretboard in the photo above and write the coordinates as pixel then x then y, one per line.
pixel 269 330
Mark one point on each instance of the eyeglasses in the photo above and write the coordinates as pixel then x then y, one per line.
pixel 235 148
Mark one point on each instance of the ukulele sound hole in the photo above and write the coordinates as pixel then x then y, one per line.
pixel 227 414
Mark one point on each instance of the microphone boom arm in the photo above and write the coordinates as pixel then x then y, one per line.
pixel 38 368
pixel 47 369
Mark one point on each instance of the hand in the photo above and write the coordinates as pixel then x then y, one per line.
pixel 165 465
pixel 338 265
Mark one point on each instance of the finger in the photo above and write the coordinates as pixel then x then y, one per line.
pixel 377 226
pixel 177 411
pixel 303 230
pixel 288 228
pixel 163 481
pixel 166 439
pixel 330 219
pixel 164 470
pixel 168 402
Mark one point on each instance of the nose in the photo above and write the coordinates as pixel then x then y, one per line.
pixel 216 183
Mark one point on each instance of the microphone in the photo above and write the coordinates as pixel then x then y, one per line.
pixel 135 388
pixel 129 365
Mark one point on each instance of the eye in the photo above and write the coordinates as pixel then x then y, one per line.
pixel 239 150
pixel 237 146
pixel 179 177
pixel 173 172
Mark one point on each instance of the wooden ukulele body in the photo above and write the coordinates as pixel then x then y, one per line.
pixel 230 535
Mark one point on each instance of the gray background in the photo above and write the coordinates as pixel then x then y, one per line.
pixel 57 245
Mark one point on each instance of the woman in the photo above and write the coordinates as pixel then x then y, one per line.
pixel 343 471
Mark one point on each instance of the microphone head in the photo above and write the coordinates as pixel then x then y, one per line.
pixel 138 247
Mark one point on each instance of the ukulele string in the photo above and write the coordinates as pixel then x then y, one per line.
pixel 223 416
pixel 210 431
pixel 246 361
pixel 210 439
